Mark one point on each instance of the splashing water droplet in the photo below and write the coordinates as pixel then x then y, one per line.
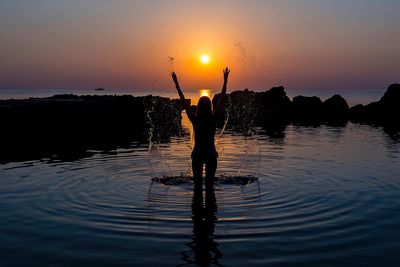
pixel 171 61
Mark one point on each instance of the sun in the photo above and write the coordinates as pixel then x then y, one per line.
pixel 205 59
pixel 205 92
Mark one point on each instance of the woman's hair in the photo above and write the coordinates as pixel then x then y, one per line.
pixel 204 107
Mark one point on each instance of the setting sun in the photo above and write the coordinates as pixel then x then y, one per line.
pixel 205 92
pixel 205 59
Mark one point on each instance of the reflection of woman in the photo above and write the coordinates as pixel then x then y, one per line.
pixel 204 123
pixel 203 245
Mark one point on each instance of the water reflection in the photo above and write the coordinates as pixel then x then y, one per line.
pixel 275 132
pixel 392 141
pixel 393 133
pixel 322 190
pixel 203 247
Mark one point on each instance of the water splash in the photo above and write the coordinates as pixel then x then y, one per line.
pixel 226 116
pixel 155 157
pixel 245 56
pixel 242 118
pixel 242 113
pixel 230 180
pixel 241 59
pixel 170 63
pixel 252 155
pixel 156 110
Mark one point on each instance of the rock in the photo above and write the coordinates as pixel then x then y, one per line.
pixel 385 112
pixel 391 98
pixel 44 127
pixel 274 107
pixel 241 109
pixel 306 109
pixel 365 113
pixel 335 109
pixel 389 106
pixel 247 109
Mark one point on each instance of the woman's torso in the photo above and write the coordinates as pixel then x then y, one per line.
pixel 204 134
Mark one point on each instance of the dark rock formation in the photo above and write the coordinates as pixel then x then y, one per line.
pixel 241 109
pixel 274 107
pixel 335 108
pixel 247 108
pixel 312 111
pixel 365 113
pixel 391 98
pixel 162 117
pixel 335 111
pixel 385 112
pixel 306 109
pixel 68 125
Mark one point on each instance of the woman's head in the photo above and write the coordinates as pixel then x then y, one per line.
pixel 204 107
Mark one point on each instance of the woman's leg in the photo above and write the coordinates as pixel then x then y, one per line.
pixel 197 168
pixel 211 206
pixel 211 168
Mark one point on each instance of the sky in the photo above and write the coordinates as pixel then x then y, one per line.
pixel 299 44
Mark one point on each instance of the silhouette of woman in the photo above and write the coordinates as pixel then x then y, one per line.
pixel 204 123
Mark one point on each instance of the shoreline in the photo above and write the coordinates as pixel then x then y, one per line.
pixel 353 97
pixel 70 125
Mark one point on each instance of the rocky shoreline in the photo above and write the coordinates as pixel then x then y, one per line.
pixel 273 107
pixel 68 126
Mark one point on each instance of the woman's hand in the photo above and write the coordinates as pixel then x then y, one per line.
pixel 226 74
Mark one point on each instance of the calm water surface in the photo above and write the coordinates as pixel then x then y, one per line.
pixel 325 196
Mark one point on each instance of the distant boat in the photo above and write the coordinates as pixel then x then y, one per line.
pixel 99 89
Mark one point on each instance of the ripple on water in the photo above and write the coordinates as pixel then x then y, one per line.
pixel 318 196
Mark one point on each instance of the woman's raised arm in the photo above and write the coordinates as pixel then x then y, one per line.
pixel 186 105
pixel 222 97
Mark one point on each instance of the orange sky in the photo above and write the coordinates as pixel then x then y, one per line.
pixel 305 44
